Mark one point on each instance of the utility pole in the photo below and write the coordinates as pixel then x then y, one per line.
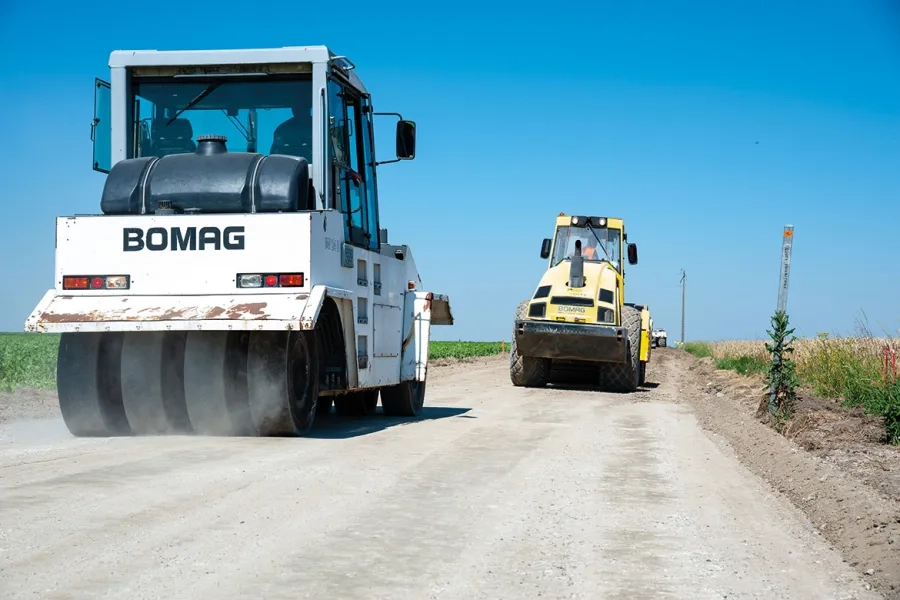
pixel 683 286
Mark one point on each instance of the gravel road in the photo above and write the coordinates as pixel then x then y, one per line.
pixel 497 492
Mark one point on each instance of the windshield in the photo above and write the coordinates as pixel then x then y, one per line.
pixel 596 244
pixel 262 115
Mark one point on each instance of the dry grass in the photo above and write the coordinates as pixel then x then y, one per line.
pixel 812 355
pixel 832 366
pixel 845 368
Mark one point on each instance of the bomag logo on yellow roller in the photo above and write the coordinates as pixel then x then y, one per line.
pixel 574 309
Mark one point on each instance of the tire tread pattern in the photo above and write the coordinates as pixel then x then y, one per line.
pixel 526 371
pixel 625 377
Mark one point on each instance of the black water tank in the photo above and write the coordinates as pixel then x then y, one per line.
pixel 210 180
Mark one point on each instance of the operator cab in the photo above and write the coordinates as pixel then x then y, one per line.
pixel 599 239
pixel 299 102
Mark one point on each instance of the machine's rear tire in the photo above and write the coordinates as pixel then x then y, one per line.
pixel 662 342
pixel 88 384
pixel 526 371
pixel 215 382
pixel 405 399
pixel 625 377
pixel 357 403
pixel 153 382
pixel 283 381
pixel 323 406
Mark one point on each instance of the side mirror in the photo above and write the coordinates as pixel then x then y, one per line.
pixel 632 254
pixel 545 248
pixel 406 140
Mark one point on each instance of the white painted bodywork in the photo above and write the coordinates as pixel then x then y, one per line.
pixel 385 315
pixel 197 290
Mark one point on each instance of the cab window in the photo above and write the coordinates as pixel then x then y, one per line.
pixel 350 157
pixel 264 115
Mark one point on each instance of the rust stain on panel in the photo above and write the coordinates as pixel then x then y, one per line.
pixel 215 313
pixel 171 315
pixel 67 318
pixel 250 308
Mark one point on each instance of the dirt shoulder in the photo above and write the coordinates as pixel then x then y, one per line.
pixel 829 462
pixel 26 404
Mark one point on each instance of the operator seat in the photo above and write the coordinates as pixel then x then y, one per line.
pixel 173 139
pixel 294 136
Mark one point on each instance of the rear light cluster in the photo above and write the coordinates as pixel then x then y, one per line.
pixel 269 280
pixel 96 282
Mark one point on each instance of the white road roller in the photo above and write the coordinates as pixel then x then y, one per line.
pixel 237 280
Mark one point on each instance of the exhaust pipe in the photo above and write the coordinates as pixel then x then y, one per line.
pixel 576 269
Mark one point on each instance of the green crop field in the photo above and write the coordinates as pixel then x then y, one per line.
pixel 464 349
pixel 29 360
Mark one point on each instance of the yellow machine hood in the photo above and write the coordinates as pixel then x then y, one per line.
pixel 595 302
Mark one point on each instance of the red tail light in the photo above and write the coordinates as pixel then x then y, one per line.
pixel 75 283
pixel 269 280
pixel 291 280
pixel 97 282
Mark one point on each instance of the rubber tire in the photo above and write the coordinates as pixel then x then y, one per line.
pixel 215 382
pixel 283 382
pixel 357 403
pixel 625 377
pixel 662 342
pixel 88 384
pixel 153 382
pixel 526 371
pixel 405 399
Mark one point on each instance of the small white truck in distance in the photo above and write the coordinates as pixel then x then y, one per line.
pixel 235 285
pixel 660 338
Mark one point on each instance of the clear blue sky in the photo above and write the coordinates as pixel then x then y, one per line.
pixel 706 125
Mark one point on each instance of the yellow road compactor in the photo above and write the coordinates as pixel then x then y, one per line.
pixel 577 327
